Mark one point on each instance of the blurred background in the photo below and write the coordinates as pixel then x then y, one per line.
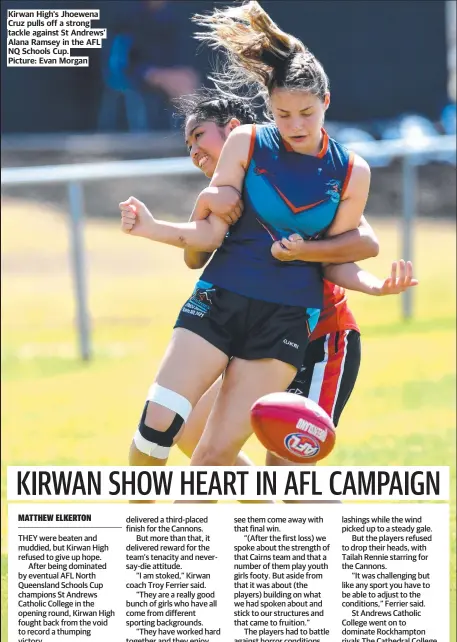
pixel 384 58
pixel 391 65
pixel 392 70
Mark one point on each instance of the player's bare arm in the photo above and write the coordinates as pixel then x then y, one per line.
pixel 204 232
pixel 223 203
pixel 355 245
pixel 233 161
pixel 353 277
pixel 353 202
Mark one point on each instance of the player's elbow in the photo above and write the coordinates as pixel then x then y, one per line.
pixel 372 247
pixel 368 246
pixel 368 236
pixel 192 263
pixel 195 261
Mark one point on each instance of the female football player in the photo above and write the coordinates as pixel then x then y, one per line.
pixel 255 305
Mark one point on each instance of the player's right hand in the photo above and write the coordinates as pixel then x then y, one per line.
pixel 401 279
pixel 136 219
pixel 224 202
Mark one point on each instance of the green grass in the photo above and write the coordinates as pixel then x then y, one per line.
pixel 58 410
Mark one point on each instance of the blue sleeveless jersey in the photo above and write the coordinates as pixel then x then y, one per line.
pixel 284 193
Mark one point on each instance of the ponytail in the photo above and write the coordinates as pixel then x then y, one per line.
pixel 259 55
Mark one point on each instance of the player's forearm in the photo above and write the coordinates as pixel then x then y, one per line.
pixel 200 236
pixel 195 259
pixel 349 246
pixel 210 196
pixel 352 277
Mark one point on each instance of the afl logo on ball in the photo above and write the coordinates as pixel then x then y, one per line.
pixel 301 445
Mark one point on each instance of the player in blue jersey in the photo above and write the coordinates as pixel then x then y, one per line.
pixel 249 306
pixel 209 118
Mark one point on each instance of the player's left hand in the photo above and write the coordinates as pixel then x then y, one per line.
pixel 289 249
pixel 400 279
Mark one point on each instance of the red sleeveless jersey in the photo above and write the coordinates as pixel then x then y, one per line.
pixel 335 316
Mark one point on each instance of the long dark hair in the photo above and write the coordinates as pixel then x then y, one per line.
pixel 258 53
pixel 212 105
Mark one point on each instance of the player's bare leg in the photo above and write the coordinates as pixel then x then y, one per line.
pixel 176 390
pixel 194 427
pixel 229 424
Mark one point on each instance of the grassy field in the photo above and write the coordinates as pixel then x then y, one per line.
pixel 58 410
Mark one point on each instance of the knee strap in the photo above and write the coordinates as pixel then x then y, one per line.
pixel 170 399
pixel 157 443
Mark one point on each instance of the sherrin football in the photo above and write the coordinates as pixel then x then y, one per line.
pixel 293 427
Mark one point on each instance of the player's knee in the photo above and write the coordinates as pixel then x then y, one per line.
pixel 157 417
pixel 207 458
pixel 214 456
pixel 164 414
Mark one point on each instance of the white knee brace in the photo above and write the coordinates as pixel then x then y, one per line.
pixel 157 443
